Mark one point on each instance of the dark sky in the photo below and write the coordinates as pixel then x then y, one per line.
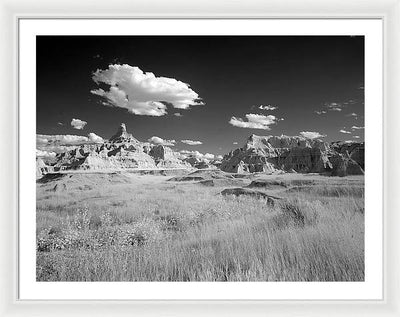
pixel 233 75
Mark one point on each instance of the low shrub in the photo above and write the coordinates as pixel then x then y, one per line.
pixel 297 213
pixel 140 233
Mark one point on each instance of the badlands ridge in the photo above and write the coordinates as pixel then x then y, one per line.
pixel 268 154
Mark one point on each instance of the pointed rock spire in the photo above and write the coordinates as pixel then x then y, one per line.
pixel 122 135
pixel 122 128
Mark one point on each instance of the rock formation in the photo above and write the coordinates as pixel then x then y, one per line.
pixel 295 154
pixel 40 167
pixel 122 151
pixel 43 167
pixel 122 136
pixel 259 154
pixel 164 157
pixel 354 151
pixel 201 162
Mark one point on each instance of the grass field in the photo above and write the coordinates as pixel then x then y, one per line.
pixel 132 227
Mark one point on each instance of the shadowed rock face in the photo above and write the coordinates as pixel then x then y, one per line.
pixel 343 165
pixel 295 154
pixel 354 151
pixel 166 158
pixel 186 179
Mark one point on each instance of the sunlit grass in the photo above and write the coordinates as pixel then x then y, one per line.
pixel 160 231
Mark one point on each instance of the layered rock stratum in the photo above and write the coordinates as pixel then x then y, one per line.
pixel 295 154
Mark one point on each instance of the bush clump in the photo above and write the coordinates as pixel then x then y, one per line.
pixel 296 213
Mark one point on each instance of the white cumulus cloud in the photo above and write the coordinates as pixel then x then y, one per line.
pixel 209 156
pixel 64 139
pixel 41 153
pixel 344 131
pixel 67 139
pixel 95 138
pixel 78 124
pixel 320 112
pixel 143 93
pixel 56 148
pixel 312 134
pixel 254 121
pixel 190 142
pixel 177 114
pixel 353 114
pixel 157 140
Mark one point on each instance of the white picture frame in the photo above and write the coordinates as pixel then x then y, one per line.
pixel 12 11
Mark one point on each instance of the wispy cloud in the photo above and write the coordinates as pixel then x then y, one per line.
pixel 267 107
pixel 177 114
pixel 353 114
pixel 78 124
pixel 160 141
pixel 356 128
pixel 312 134
pixel 235 143
pixel 197 154
pixel 190 142
pixel 254 121
pixel 344 131
pixel 333 106
pixel 143 93
pixel 336 106
pixel 350 102
pixel 356 136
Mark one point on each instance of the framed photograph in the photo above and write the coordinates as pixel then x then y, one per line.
pixel 166 163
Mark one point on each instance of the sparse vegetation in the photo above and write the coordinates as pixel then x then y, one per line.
pixel 149 229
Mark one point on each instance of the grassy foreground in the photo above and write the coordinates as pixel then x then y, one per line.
pixel 145 228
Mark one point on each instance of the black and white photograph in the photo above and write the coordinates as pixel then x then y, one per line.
pixel 200 158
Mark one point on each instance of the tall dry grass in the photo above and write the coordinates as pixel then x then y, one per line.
pixel 164 232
